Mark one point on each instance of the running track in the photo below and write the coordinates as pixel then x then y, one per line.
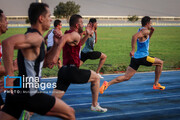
pixel 130 100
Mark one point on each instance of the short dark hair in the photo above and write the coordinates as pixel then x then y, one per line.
pixel 57 22
pixel 74 19
pixel 145 20
pixel 1 11
pixel 92 20
pixel 35 10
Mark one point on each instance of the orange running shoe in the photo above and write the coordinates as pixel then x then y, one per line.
pixel 103 87
pixel 158 86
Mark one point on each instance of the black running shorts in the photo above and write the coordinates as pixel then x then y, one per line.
pixel 90 55
pixel 146 61
pixel 1 100
pixel 71 74
pixel 39 103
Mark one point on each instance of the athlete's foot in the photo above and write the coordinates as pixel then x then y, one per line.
pixel 98 108
pixel 103 87
pixel 26 115
pixel 100 76
pixel 158 86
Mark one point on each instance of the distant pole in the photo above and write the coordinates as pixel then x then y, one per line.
pixel 39 1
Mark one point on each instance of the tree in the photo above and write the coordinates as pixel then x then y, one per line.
pixel 27 21
pixel 65 10
pixel 133 18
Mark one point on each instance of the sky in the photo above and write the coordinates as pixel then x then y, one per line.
pixel 102 7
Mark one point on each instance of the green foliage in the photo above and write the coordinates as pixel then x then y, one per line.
pixel 115 42
pixel 177 65
pixel 65 10
pixel 133 18
pixel 27 21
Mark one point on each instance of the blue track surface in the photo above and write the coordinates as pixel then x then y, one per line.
pixel 131 100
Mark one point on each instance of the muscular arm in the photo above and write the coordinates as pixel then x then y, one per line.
pixel 30 40
pixel 95 36
pixel 89 31
pixel 18 42
pixel 151 32
pixel 52 56
pixel 136 36
pixel 2 70
pixel 46 37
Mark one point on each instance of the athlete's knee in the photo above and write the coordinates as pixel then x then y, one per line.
pixel 104 56
pixel 58 93
pixel 161 62
pixel 122 78
pixel 69 114
pixel 97 78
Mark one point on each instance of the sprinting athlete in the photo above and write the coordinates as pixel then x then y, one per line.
pixel 140 57
pixel 3 29
pixel 50 35
pixel 88 51
pixel 31 56
pixel 70 72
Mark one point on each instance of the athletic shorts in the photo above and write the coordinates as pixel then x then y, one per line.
pixel 90 55
pixel 146 61
pixel 71 74
pixel 1 100
pixel 39 103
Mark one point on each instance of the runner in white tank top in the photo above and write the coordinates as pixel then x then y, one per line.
pixel 49 41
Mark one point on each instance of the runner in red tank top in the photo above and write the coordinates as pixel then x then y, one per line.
pixel 70 72
pixel 3 29
pixel 71 53
pixel 0 53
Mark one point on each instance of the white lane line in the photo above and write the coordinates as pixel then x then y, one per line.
pixel 129 113
pixel 161 97
pixel 121 74
pixel 114 91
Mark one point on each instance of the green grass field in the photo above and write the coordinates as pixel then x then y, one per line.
pixel 115 42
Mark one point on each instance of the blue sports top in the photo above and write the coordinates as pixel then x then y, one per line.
pixel 89 45
pixel 142 47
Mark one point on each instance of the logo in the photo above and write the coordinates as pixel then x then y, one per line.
pixel 13 77
pixel 29 82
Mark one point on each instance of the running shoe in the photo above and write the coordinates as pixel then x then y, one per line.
pixel 103 87
pixel 98 108
pixel 26 115
pixel 158 86
pixel 100 76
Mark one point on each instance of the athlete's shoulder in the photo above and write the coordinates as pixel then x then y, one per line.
pixel 145 31
pixel 34 37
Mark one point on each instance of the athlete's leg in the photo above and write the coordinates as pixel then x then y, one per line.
pixel 95 82
pixel 58 93
pixel 128 74
pixel 159 65
pixel 62 110
pixel 101 62
pixel 5 116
